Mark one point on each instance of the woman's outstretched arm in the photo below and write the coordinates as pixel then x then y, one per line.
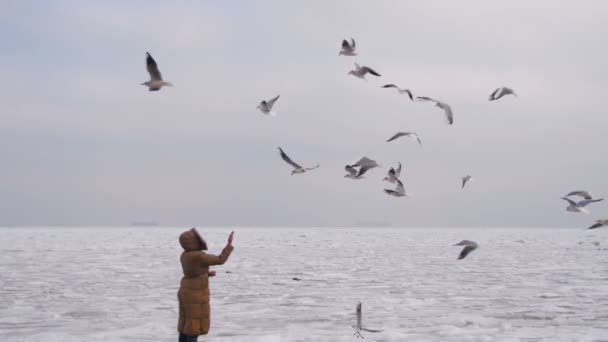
pixel 210 259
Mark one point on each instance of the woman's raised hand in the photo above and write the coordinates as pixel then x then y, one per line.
pixel 230 237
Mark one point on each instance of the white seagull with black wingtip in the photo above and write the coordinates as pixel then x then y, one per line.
pixel 348 49
pixel 361 71
pixel 447 110
pixel 401 91
pixel 500 92
pixel 364 164
pixel 598 224
pixel 579 207
pixel 359 326
pixel 398 192
pixel 296 168
pixel 393 174
pixel 266 106
pixel 156 79
pixel 405 134
pixel 469 246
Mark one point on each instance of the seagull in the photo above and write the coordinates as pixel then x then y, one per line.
pixel 465 180
pixel 364 161
pixel 156 80
pixel 500 92
pixel 399 190
pixel 359 326
pixel 469 247
pixel 354 174
pixel 266 106
pixel 449 115
pixel 348 49
pixel 364 164
pixel 405 134
pixel 579 207
pixel 361 71
pixel 393 174
pixel 296 168
pixel 599 223
pixel 581 193
pixel 401 91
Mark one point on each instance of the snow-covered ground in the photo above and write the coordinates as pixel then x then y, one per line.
pixel 120 285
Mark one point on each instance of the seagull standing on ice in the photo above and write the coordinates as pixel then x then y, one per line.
pixel 405 134
pixel 361 71
pixel 579 207
pixel 393 174
pixel 359 326
pixel 266 106
pixel 465 180
pixel 156 79
pixel 599 223
pixel 296 168
pixel 348 49
pixel 401 91
pixel 469 246
pixel 500 92
pixel 449 115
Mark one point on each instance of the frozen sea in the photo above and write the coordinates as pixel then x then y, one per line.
pixel 113 284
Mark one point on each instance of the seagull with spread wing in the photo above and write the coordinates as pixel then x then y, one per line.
pixel 405 134
pixel 266 106
pixel 469 246
pixel 361 71
pixel 581 193
pixel 500 92
pixel 359 326
pixel 598 224
pixel 398 192
pixel 296 167
pixel 465 180
pixel 156 79
pixel 393 174
pixel 364 164
pixel 579 207
pixel 401 91
pixel 348 48
pixel 447 110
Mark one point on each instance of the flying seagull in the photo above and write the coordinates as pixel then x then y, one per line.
pixel 393 174
pixel 469 247
pixel 581 193
pixel 399 190
pixel 500 92
pixel 465 180
pixel 354 174
pixel 266 106
pixel 364 161
pixel 579 207
pixel 449 115
pixel 359 326
pixel 156 79
pixel 405 134
pixel 348 49
pixel 599 223
pixel 296 168
pixel 361 71
pixel 401 91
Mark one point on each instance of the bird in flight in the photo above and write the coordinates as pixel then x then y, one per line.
pixel 598 224
pixel 348 48
pixel 447 110
pixel 579 207
pixel 361 71
pixel 405 134
pixel 500 92
pixel 469 246
pixel 266 106
pixel 296 167
pixel 156 79
pixel 401 91
pixel 465 180
pixel 393 174
pixel 359 326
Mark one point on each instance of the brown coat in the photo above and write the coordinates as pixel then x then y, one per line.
pixel 193 294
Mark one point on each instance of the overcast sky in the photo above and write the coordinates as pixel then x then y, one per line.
pixel 83 143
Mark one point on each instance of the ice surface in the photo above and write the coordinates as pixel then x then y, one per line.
pixel 120 285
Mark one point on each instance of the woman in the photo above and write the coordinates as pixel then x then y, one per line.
pixel 193 294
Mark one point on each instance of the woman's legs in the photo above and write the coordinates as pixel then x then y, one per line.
pixel 186 338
